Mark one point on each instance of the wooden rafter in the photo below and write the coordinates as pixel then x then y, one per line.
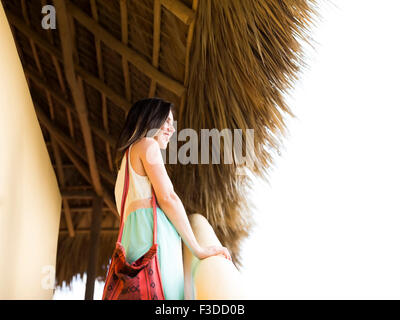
pixel 180 10
pixel 67 145
pixel 77 91
pixel 30 34
pixel 132 56
pixel 101 86
pixel 124 35
pixel 61 177
pixel 66 104
pixel 85 209
pixel 79 187
pixel 61 82
pixel 86 76
pixel 100 71
pixel 57 155
pixel 87 231
pixel 33 48
pixel 84 171
pixel 70 144
pixel 78 194
pixel 187 57
pixel 156 42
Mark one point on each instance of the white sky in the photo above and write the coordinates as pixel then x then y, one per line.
pixel 328 224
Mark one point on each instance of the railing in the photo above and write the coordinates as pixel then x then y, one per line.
pixel 212 278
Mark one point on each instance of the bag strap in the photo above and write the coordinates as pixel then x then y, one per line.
pixel 154 216
pixel 124 195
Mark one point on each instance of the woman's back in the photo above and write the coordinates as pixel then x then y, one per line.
pixel 139 185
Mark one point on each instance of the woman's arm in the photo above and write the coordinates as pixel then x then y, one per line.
pixel 153 163
pixel 169 202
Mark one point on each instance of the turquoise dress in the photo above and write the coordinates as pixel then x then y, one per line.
pixel 137 234
pixel 137 238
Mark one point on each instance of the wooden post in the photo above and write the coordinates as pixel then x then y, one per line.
pixel 93 247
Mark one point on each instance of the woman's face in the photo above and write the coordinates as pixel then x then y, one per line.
pixel 165 132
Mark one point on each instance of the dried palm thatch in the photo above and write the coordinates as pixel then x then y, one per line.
pixel 224 64
pixel 245 56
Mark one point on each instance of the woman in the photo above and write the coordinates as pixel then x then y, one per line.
pixel 147 130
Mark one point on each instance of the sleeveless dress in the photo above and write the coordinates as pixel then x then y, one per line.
pixel 137 234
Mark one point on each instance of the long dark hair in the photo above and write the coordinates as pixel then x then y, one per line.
pixel 144 115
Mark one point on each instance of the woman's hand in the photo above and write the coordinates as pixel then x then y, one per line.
pixel 213 251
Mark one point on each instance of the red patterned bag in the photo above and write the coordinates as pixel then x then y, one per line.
pixel 140 280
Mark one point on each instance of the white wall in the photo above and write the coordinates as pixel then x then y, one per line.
pixel 30 201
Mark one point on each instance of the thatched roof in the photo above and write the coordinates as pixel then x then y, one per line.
pixel 224 64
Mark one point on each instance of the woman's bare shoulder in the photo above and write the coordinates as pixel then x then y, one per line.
pixel 145 143
pixel 148 149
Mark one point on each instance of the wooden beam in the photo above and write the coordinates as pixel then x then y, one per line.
pixel 54 51
pixel 65 166
pixel 57 156
pixel 33 48
pixel 180 10
pixel 100 70
pixel 76 87
pixel 21 26
pixel 93 247
pixel 102 87
pixel 156 42
pixel 66 104
pixel 56 63
pixel 84 209
pixel 60 174
pixel 79 187
pixel 189 40
pixel 108 199
pixel 78 194
pixel 84 171
pixel 86 231
pixel 60 136
pixel 137 60
pixel 124 35
pixel 99 57
pixel 67 145
pixel 58 68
